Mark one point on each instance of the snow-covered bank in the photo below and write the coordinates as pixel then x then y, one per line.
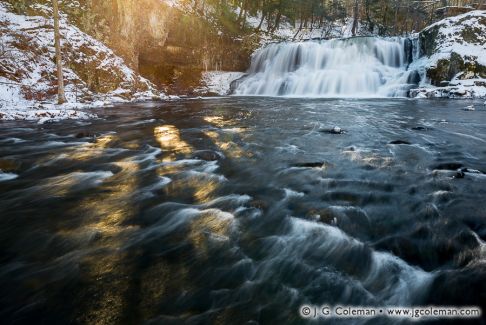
pixel 453 61
pixel 94 75
pixel 217 82
pixel 48 114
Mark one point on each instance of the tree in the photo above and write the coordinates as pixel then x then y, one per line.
pixel 57 40
pixel 355 18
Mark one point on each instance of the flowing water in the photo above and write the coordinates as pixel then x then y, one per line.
pixel 239 210
pixel 354 67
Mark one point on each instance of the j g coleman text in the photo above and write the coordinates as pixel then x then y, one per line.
pixel 430 312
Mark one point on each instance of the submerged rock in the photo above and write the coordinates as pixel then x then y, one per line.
pixel 84 134
pixel 324 164
pixel 8 165
pixel 400 142
pixel 207 155
pixel 448 166
pixel 420 128
pixel 455 170
pixel 334 130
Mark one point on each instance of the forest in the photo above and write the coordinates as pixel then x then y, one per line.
pixel 381 17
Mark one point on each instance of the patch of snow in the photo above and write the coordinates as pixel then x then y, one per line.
pixel 218 82
pixel 463 89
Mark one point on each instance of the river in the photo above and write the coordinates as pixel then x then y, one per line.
pixel 239 210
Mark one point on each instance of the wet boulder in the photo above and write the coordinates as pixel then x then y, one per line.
pixel 334 130
pixel 207 155
pixel 400 142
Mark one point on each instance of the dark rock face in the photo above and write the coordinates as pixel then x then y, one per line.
pixel 428 40
pixel 446 69
pixel 408 51
pixel 235 83
pixel 414 78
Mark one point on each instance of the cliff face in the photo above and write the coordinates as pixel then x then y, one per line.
pixel 126 26
pixel 169 47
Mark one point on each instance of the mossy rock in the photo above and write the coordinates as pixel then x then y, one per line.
pixel 446 69
pixel 472 35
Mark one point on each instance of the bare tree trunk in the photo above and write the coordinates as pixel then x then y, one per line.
pixel 277 21
pixel 57 39
pixel 355 19
pixel 300 28
pixel 261 21
pixel 397 8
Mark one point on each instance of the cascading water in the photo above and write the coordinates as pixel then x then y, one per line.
pixel 354 67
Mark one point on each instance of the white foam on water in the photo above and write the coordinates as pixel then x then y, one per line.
pixel 7 176
pixel 292 194
pixel 386 277
pixel 177 220
pixel 148 192
pixel 12 140
pixel 63 184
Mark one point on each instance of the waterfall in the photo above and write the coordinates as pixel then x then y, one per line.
pixel 354 67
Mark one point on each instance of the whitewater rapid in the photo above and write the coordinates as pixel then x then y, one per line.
pixel 354 67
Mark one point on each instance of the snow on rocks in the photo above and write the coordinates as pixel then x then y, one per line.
pixel 472 88
pixel 453 61
pixel 43 115
pixel 94 75
pixel 218 82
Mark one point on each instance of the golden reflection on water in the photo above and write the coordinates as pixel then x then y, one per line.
pixel 211 226
pixel 113 207
pixel 169 138
pixel 204 190
pixel 92 149
pixel 200 186
pixel 106 220
pixel 215 120
pixel 226 144
pixel 105 217
pixel 103 220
